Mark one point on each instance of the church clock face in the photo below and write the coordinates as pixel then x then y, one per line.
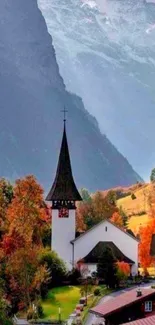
pixel 63 212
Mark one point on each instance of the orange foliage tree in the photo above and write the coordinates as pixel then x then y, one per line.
pixel 27 214
pixel 25 275
pixel 117 219
pixel 27 218
pixel 145 242
pixel 124 268
pixel 146 232
pixel 97 208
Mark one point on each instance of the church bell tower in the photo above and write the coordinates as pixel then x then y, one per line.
pixel 63 196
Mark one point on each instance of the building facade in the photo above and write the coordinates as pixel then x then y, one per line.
pixel 129 306
pixel 63 195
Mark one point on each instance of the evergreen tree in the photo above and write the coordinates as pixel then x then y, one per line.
pixel 124 217
pixel 85 195
pixel 152 176
pixel 133 196
pixel 106 267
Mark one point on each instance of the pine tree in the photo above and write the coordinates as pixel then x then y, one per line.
pixel 152 176
pixel 106 268
pixel 124 217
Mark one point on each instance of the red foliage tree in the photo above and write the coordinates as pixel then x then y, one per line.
pixel 124 268
pixel 145 242
pixel 117 219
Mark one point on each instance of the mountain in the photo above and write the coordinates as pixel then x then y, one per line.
pixel 33 94
pixel 106 53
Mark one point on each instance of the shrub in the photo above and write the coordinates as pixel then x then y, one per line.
pixel 55 266
pixel 97 292
pixel 40 310
pixel 4 321
pixel 74 277
pixel 133 196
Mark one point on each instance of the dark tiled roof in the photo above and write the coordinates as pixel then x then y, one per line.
pixel 64 187
pixel 152 247
pixel 94 255
pixel 122 301
pixel 144 321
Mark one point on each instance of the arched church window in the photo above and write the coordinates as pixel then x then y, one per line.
pixel 106 228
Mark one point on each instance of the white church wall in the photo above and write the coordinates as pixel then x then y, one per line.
pixel 63 231
pixel 106 231
pixel 87 269
pixel 92 267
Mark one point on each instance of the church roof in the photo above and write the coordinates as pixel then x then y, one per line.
pixel 95 253
pixel 98 224
pixel 64 187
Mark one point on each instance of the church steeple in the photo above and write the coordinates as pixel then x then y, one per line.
pixel 64 189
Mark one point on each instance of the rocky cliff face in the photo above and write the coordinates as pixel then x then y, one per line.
pixel 106 54
pixel 32 97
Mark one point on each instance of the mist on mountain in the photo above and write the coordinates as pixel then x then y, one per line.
pixel 106 55
pixel 33 95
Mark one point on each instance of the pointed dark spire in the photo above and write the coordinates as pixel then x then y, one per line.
pixel 64 188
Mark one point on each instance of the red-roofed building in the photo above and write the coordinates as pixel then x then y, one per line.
pixel 144 321
pixel 131 305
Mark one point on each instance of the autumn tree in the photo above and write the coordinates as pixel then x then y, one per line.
pixel 27 217
pixel 123 267
pixel 27 213
pixel 117 219
pixel 111 198
pixel 83 211
pixel 145 242
pixel 100 207
pixel 25 275
pixel 147 231
pixel 123 271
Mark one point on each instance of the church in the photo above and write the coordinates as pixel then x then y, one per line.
pixel 71 249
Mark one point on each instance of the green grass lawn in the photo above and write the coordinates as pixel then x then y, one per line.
pixel 64 297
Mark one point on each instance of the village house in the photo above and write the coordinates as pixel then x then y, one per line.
pixel 144 321
pixel 129 306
